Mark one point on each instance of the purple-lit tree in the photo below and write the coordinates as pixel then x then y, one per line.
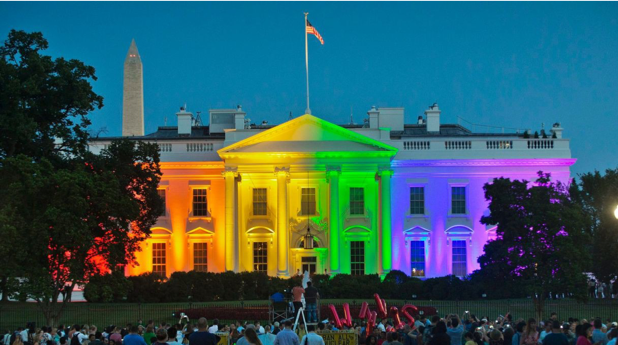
pixel 541 239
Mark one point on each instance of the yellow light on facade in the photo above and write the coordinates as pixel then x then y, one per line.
pixel 616 212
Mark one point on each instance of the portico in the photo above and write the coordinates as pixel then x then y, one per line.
pixel 307 173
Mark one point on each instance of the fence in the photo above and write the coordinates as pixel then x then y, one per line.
pixel 15 314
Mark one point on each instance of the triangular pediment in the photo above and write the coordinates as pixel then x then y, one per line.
pixel 307 134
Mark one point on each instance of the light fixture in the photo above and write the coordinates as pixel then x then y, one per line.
pixel 308 238
pixel 616 212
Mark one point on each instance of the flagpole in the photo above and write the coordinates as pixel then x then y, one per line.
pixel 308 110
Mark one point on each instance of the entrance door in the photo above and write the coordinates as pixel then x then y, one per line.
pixel 309 263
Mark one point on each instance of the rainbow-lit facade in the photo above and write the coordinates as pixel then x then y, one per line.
pixel 376 197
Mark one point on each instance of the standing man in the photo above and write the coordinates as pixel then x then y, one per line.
pixel 215 326
pixel 202 336
pixel 287 336
pixel 311 299
pixel 312 338
pixel 556 337
pixel 598 337
pixel 133 338
pixel 456 330
pixel 297 293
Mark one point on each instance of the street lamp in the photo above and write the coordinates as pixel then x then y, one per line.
pixel 616 212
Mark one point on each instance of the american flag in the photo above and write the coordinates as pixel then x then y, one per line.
pixel 313 31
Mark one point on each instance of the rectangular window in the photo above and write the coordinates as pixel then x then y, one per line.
pixel 459 258
pixel 458 200
pixel 260 204
pixel 260 257
pixel 307 201
pixel 357 201
pixel 200 257
pixel 357 257
pixel 200 203
pixel 417 258
pixel 161 193
pixel 417 200
pixel 158 259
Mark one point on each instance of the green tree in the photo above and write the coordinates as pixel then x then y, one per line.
pixel 67 214
pixel 541 238
pixel 598 196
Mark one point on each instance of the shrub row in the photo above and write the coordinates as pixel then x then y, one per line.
pixel 230 286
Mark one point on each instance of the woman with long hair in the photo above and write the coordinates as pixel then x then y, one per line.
pixel 530 335
pixel 371 340
pixel 252 337
pixel 439 335
pixel 584 334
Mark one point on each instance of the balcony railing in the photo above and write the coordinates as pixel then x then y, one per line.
pixel 417 145
pixel 484 144
pixel 458 145
pixel 199 147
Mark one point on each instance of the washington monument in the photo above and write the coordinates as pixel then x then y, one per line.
pixel 133 94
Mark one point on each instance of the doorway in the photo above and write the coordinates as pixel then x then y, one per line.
pixel 310 264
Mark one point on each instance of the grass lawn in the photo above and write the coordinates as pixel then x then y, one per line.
pixel 15 314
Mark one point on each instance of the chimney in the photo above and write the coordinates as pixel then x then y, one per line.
pixel 373 117
pixel 433 118
pixel 420 120
pixel 185 120
pixel 239 118
pixel 557 130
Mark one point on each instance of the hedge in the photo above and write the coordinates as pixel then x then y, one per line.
pixel 230 286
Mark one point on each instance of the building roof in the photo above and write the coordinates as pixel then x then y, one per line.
pixel 410 130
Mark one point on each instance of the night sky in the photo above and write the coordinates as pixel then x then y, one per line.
pixel 502 64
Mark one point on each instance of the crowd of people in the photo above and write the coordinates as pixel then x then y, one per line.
pixel 183 333
pixel 599 289
pixel 449 330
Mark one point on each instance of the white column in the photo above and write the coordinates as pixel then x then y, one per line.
pixel 282 222
pixel 334 221
pixel 386 235
pixel 231 240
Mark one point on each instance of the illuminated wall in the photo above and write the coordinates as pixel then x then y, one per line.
pixel 178 228
pixel 438 227
pixel 311 153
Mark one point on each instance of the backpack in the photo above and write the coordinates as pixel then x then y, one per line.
pixel 75 339
pixel 427 334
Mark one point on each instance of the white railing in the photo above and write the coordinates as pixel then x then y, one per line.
pixel 458 145
pixel 493 146
pixel 540 144
pixel 499 144
pixel 417 145
pixel 165 147
pixel 200 147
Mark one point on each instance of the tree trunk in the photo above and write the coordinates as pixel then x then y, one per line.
pixel 4 289
pixel 539 306
pixel 52 310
